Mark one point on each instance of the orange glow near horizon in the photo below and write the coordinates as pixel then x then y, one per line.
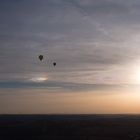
pixel 97 102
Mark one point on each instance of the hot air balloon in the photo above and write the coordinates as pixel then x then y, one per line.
pixel 40 57
pixel 54 63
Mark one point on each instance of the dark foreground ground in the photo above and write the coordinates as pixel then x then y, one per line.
pixel 69 127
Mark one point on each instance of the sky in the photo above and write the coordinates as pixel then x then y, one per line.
pixel 95 44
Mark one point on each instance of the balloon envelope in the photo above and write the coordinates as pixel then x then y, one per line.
pixel 54 63
pixel 40 57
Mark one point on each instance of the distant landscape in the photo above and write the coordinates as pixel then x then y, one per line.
pixel 70 127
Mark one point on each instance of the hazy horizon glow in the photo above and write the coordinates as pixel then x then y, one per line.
pixel 44 101
pixel 95 44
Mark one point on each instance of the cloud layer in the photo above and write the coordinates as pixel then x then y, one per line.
pixel 90 40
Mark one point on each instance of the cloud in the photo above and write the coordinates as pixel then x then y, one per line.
pixel 56 86
pixel 81 36
pixel 101 7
